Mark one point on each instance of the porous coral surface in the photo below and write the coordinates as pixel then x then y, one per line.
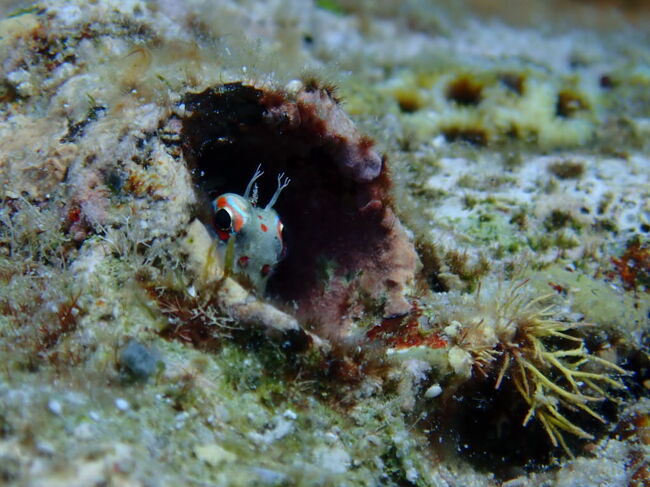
pixel 465 291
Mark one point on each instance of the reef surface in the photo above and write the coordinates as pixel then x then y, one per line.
pixel 463 292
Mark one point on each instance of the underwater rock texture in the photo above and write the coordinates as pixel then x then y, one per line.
pixel 464 299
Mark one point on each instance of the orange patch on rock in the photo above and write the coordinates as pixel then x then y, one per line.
pixel 634 266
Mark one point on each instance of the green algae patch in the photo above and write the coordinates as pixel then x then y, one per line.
pixel 602 303
pixel 496 230
pixel 331 6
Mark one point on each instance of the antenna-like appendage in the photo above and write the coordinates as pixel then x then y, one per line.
pixel 256 176
pixel 281 186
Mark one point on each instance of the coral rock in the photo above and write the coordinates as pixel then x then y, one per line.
pixel 344 241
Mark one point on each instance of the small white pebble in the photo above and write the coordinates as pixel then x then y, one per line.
pixel 121 404
pixel 330 437
pixel 289 414
pixel 438 141
pixel 84 431
pixel 518 482
pixel 412 474
pixel 46 449
pixel 452 330
pixel 434 391
pixel 373 440
pixel 191 291
pixel 55 407
pixel 294 86
pixel 180 419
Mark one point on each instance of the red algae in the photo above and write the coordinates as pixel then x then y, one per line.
pixel 633 267
pixel 405 332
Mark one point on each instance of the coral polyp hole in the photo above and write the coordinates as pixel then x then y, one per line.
pixel 568 104
pixel 409 101
pixel 465 91
pixel 513 82
pixel 472 136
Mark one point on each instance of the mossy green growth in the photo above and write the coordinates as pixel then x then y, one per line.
pixel 558 219
pixel 331 5
pixel 608 306
pixel 489 228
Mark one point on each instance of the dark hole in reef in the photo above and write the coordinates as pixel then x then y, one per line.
pixel 409 102
pixel 465 91
pixel 635 360
pixel 473 136
pixel 8 92
pixel 513 81
pixel 76 130
pixel 232 129
pixel 638 362
pixel 606 82
pixel 484 426
pixel 512 132
pixel 393 468
pixel 431 265
pixel 567 169
pixel 568 104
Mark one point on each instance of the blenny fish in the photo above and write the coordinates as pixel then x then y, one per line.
pixel 250 237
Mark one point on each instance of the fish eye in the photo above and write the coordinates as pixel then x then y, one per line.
pixel 223 219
